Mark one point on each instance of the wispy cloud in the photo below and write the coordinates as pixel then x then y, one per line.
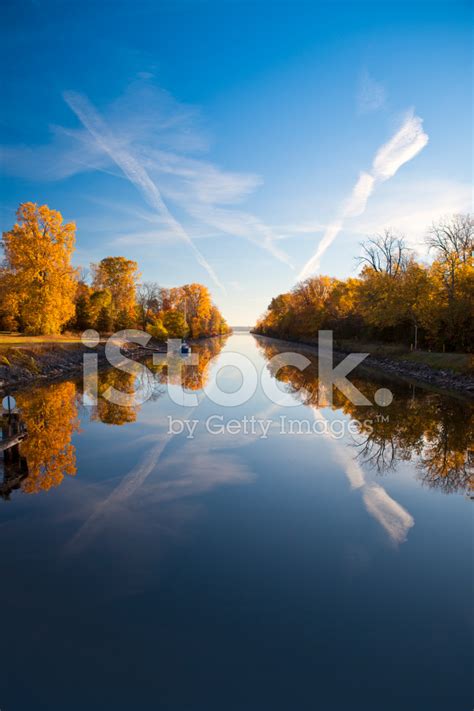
pixel 360 194
pixel 133 170
pixel 404 145
pixel 371 94
pixel 240 224
pixel 156 143
pixel 409 140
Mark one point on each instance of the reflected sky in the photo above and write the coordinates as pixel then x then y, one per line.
pixel 171 569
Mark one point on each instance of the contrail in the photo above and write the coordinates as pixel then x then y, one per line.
pixel 243 225
pixel 396 520
pixel 133 170
pixel 404 145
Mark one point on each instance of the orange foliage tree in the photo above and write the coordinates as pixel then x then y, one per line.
pixel 38 281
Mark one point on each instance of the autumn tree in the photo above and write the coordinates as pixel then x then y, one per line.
pixel 118 276
pixel 156 329
pixel 100 306
pixel 197 308
pixel 175 324
pixel 452 275
pixel 104 321
pixel 395 298
pixel 9 302
pixel 37 271
pixel 83 314
pixel 415 294
pixel 387 291
pixel 217 325
pixel 171 299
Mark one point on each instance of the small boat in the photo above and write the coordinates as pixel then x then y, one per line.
pixel 185 349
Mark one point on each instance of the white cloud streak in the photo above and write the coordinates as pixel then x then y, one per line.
pixel 404 145
pixel 396 520
pixel 150 139
pixel 133 170
pixel 409 140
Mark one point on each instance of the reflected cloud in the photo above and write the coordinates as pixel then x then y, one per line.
pixel 394 518
pixel 389 513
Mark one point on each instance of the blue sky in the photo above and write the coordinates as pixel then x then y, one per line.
pixel 238 144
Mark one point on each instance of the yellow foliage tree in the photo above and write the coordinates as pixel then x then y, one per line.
pixel 37 275
pixel 118 276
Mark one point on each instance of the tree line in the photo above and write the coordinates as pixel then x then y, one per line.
pixel 395 298
pixel 42 293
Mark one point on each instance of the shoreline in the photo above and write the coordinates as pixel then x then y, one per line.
pixel 456 383
pixel 48 363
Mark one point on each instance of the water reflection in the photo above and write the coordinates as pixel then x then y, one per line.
pixel 50 416
pixel 196 375
pixel 107 411
pixel 233 542
pixel 15 468
pixel 393 517
pixel 434 430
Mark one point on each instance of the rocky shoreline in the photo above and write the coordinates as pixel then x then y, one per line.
pixel 419 372
pixel 23 367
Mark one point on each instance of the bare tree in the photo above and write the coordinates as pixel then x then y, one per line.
pixel 148 299
pixel 452 237
pixel 385 253
pixel 83 274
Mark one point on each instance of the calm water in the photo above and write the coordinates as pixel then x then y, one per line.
pixel 300 571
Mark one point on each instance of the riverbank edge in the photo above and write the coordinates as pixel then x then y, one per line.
pixel 49 363
pixel 414 372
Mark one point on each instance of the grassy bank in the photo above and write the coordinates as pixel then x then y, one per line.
pixel 456 362
pixel 8 339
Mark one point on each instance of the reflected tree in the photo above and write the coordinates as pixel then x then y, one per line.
pixel 108 412
pixel 435 430
pixel 51 417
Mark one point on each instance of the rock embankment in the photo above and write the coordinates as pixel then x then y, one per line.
pixel 20 367
pixel 446 379
pixel 462 383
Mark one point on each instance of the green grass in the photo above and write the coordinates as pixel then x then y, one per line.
pixel 19 339
pixel 372 347
pixel 457 362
